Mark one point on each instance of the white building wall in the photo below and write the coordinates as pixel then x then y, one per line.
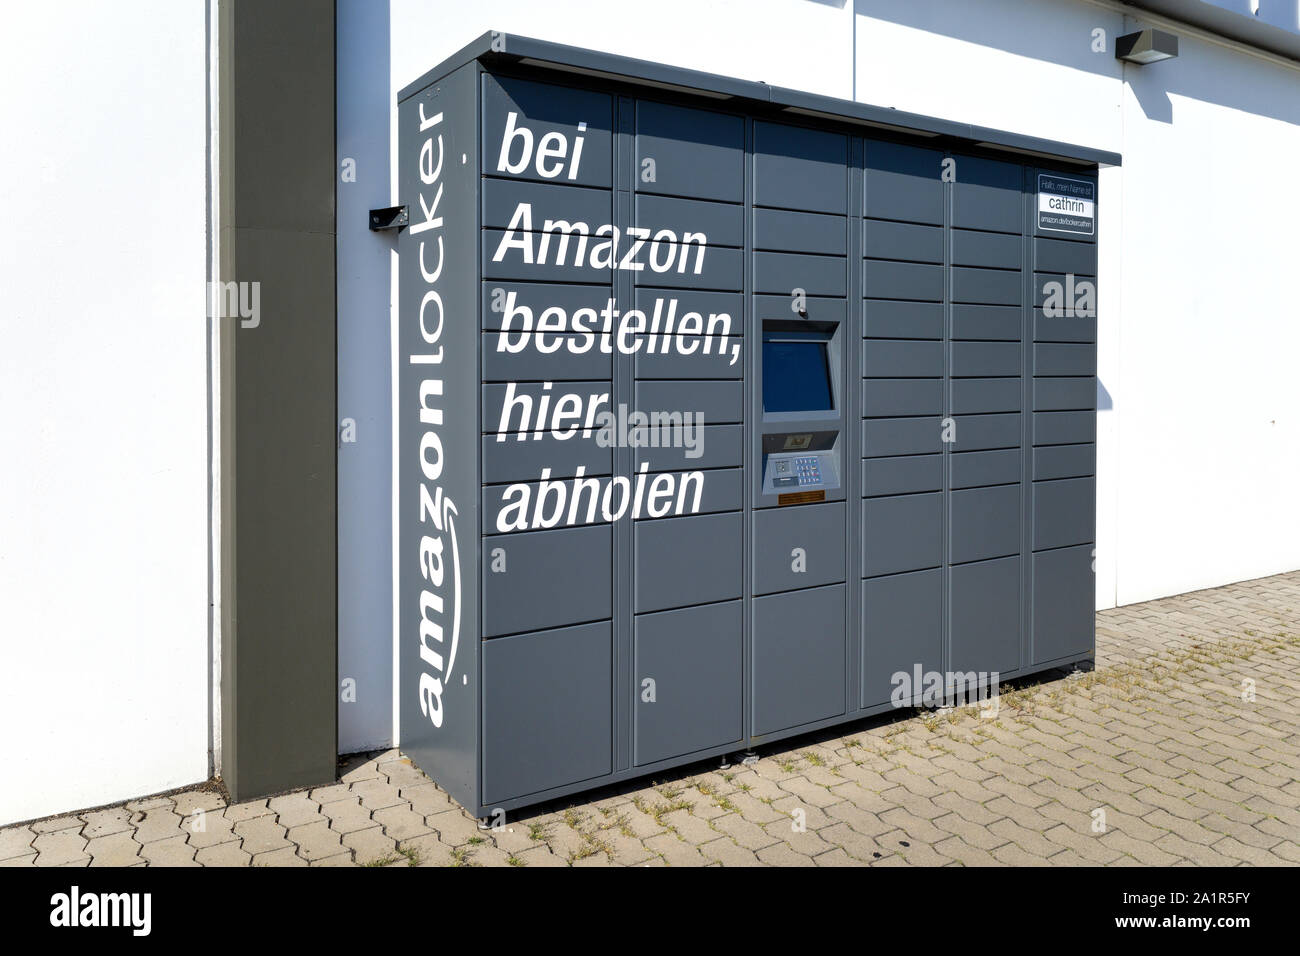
pixel 801 44
pixel 1210 420
pixel 104 387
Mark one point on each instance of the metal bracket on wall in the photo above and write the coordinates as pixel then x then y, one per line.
pixel 393 217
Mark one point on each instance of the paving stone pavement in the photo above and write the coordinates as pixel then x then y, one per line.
pixel 1182 747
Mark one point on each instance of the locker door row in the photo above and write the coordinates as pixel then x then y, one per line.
pixel 687 179
pixel 546 554
pixel 904 399
pixel 1063 470
pixel 801 242
pixel 986 405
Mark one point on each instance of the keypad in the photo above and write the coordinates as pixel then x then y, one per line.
pixel 808 470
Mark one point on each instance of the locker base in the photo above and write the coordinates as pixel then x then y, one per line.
pixel 747 757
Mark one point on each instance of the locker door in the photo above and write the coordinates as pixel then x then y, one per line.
pixel 904 397
pixel 986 376
pixel 798 658
pixel 686 680
pixel 535 738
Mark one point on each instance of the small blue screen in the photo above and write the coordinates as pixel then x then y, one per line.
pixel 796 377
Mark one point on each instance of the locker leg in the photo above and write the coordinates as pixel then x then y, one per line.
pixel 724 762
pixel 749 758
pixel 1080 667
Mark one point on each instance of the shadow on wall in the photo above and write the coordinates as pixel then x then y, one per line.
pixel 1252 86
pixel 365 589
pixel 1104 401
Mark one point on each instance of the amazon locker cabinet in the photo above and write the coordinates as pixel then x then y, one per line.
pixel 724 413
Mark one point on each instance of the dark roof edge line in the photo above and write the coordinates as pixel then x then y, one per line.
pixel 516 49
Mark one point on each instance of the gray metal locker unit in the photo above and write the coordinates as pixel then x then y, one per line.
pixel 893 472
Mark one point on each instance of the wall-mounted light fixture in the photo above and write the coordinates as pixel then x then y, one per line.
pixel 1146 46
